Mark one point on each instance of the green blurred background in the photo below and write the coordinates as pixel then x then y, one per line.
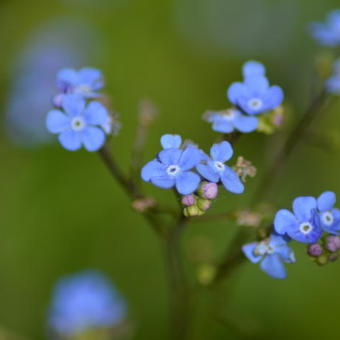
pixel 61 212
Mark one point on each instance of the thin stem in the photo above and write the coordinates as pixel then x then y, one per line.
pixel 209 218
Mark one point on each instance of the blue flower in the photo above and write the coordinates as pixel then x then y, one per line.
pixel 79 124
pixel 329 216
pixel 172 168
pixel 215 170
pixel 272 253
pixel 304 225
pixel 229 120
pixel 328 33
pixel 84 82
pixel 254 95
pixel 84 301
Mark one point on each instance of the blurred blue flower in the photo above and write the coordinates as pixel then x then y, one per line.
pixel 272 253
pixel 84 301
pixel 79 124
pixel 333 83
pixel 329 216
pixel 304 224
pixel 172 168
pixel 214 169
pixel 229 120
pixel 169 141
pixel 254 95
pixel 328 32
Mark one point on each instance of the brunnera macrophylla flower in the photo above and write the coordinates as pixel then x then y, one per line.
pixel 214 170
pixel 328 33
pixel 172 168
pixel 84 301
pixel 303 225
pixel 272 253
pixel 227 121
pixel 254 95
pixel 329 216
pixel 79 124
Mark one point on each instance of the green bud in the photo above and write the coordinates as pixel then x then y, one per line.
pixel 192 211
pixel 203 204
pixel 322 260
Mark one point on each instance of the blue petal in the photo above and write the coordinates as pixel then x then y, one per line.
pixel 96 114
pixel 273 266
pixel 187 182
pixel 273 98
pixel 326 201
pixel 170 156
pixel 208 173
pixel 256 85
pixel 221 125
pixel 245 123
pixel 91 77
pixel 164 182
pixel 253 68
pixel 152 169
pixel 221 152
pixel 66 77
pixel 190 157
pixel 231 181
pixel 303 206
pixel 286 253
pixel 235 91
pixel 93 138
pixel 248 250
pixel 171 141
pixel 284 220
pixel 57 121
pixel 70 140
pixel 73 104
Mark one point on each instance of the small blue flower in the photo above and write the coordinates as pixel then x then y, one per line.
pixel 272 253
pixel 328 33
pixel 254 95
pixel 172 168
pixel 304 225
pixel 85 82
pixel 79 124
pixel 215 170
pixel 84 301
pixel 229 120
pixel 329 216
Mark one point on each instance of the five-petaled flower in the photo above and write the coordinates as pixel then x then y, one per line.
pixel 171 168
pixel 304 224
pixel 272 253
pixel 329 216
pixel 254 95
pixel 214 169
pixel 79 124
pixel 328 32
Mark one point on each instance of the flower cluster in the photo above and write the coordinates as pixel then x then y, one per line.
pixel 250 98
pixel 77 119
pixel 328 33
pixel 184 166
pixel 83 301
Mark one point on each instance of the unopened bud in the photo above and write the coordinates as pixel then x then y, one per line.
pixel 332 243
pixel 208 190
pixel 314 250
pixel 332 257
pixel 189 200
pixel 192 211
pixel 203 204
pixel 322 260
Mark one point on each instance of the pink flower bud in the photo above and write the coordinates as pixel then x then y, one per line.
pixel 188 200
pixel 209 190
pixel 314 250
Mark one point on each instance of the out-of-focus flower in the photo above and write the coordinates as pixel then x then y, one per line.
pixel 85 300
pixel 244 168
pixel 248 218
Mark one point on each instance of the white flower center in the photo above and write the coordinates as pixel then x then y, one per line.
pixel 305 228
pixel 327 218
pixel 219 166
pixel 83 88
pixel 78 123
pixel 264 248
pixel 255 103
pixel 173 170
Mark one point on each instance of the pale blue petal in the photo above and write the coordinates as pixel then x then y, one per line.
pixel 171 141
pixel 70 140
pixel 165 182
pixel 96 114
pixel 93 138
pixel 91 77
pixel 190 157
pixel 66 77
pixel 326 201
pixel 187 182
pixel 286 253
pixel 231 181
pixel 57 121
pixel 253 68
pixel 245 123
pixel 170 156
pixel 248 250
pixel 235 91
pixel 273 266
pixel 208 173
pixel 222 125
pixel 152 169
pixel 284 220
pixel 73 104
pixel 273 98
pixel 221 152
pixel 303 206
pixel 256 85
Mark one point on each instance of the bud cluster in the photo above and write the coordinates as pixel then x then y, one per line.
pixel 325 251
